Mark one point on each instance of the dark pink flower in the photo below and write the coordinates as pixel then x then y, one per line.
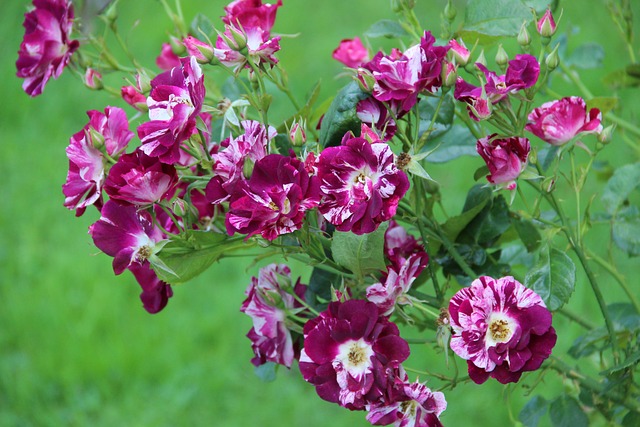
pixel 155 293
pixel 251 14
pixel 106 132
pixel 93 79
pixel 174 105
pixel 348 352
pixel 260 47
pixel 546 25
pixel 501 328
pixel 557 122
pixel 478 102
pixel 402 77
pixel 506 158
pixel 351 52
pixel 167 59
pixel 228 165
pixel 46 48
pixel 268 302
pixel 140 180
pixel 360 183
pixel 396 282
pixel 400 245
pixel 274 200
pixel 410 405
pixel 126 234
pixel 522 73
pixel 131 96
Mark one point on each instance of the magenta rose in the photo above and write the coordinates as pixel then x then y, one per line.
pixel 251 14
pixel 360 183
pixel 155 293
pixel 557 122
pixel 351 52
pixel 349 351
pixel 501 328
pixel 46 47
pixel 506 158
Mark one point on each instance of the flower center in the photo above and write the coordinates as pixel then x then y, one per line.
pixel 500 329
pixel 408 407
pixel 355 356
pixel 143 253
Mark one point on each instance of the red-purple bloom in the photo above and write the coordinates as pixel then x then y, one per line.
pixel 557 122
pixel 351 52
pixel 268 302
pixel 401 78
pixel 155 293
pixel 348 352
pixel 360 183
pixel 106 132
pixel 501 328
pixel 400 245
pixel 522 72
pixel 126 234
pixel 506 158
pixel 376 115
pixel 410 405
pixel 274 200
pixel 260 48
pixel 167 59
pixel 140 180
pixel 174 104
pixel 251 14
pixel 396 282
pixel 133 97
pixel 228 165
pixel 46 47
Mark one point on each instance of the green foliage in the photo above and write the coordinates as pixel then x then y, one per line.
pixel 565 411
pixel 496 17
pixel 536 408
pixel 553 277
pixel 341 116
pixel 361 254
pixel 624 180
pixel 585 56
pixel 457 141
pixel 386 28
pixel 266 372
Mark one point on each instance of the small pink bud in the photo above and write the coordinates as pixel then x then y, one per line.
pixel 134 98
pixel 351 52
pixel 449 74
pixel 365 80
pixel 460 52
pixel 546 25
pixel 297 133
pixel 202 51
pixel 93 79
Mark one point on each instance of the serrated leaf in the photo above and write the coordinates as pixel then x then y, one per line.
pixel 624 316
pixel 182 259
pixel 587 344
pixel 386 28
pixel 624 180
pixel 362 254
pixel 536 408
pixel 587 55
pixel 319 287
pixel 457 141
pixel 603 103
pixel 553 277
pixel 496 17
pixel 341 116
pixel 528 233
pixel 633 359
pixel 565 411
pixel 626 234
pixel 266 372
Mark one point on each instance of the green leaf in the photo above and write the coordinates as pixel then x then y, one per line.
pixel 341 116
pixel 266 372
pixel 624 316
pixel 540 5
pixel 619 187
pixel 202 28
pixel 603 103
pixel 319 288
pixel 553 277
pixel 362 254
pixel 547 155
pixel 386 28
pixel 633 359
pixel 457 141
pixel 587 55
pixel 496 17
pixel 528 233
pixel 184 258
pixel 444 119
pixel 632 419
pixel 536 408
pixel 587 344
pixel 565 411
pixel 621 78
pixel 626 234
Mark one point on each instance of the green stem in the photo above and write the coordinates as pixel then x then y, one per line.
pixel 618 277
pixel 426 133
pixel 579 320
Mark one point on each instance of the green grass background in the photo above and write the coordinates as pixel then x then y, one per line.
pixel 76 347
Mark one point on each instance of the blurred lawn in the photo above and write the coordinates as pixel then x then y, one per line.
pixel 76 347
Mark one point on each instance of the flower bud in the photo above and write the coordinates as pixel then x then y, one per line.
pixel 202 51
pixel 552 60
pixel 143 82
pixel 365 80
pixel 297 134
pixel 177 46
pixel 235 38
pixel 605 135
pixel 450 11
pixel 134 98
pixel 111 13
pixel 179 207
pixel 501 57
pixel 546 25
pixel 247 167
pixel 93 79
pixel 449 74
pixel 548 184
pixel 524 39
pixel 481 59
pixel 459 52
pixel 97 139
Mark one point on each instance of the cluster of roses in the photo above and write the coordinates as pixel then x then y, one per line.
pixel 179 179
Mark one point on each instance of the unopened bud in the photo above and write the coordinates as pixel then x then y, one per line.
pixel 365 80
pixel 548 184
pixel 247 167
pixel 449 74
pixel 459 52
pixel 481 59
pixel 202 51
pixel 297 134
pixel 111 14
pixel 143 82
pixel 93 79
pixel 96 138
pixel 546 25
pixel 179 207
pixel 552 60
pixel 524 39
pixel 450 11
pixel 235 38
pixel 606 134
pixel 501 57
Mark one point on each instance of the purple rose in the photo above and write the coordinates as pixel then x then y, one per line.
pixel 506 158
pixel 251 14
pixel 46 47
pixel 501 328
